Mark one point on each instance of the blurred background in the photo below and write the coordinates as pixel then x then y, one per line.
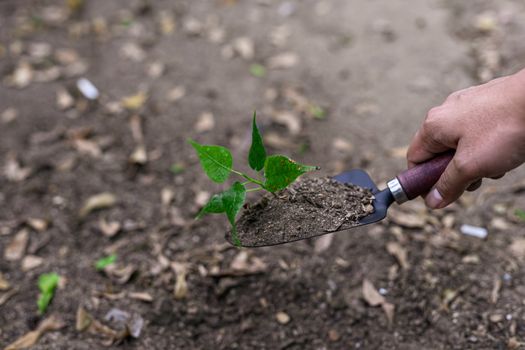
pixel 98 99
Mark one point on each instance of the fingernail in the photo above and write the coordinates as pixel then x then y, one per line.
pixel 434 199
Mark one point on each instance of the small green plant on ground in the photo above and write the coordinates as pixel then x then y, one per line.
pixel 102 263
pixel 47 284
pixel 278 172
pixel 520 214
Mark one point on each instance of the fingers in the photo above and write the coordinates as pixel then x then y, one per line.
pixel 458 176
pixel 434 137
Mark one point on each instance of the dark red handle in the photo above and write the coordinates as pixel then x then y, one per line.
pixel 420 179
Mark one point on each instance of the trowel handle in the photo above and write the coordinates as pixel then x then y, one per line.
pixel 419 180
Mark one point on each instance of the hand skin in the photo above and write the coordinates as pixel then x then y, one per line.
pixel 485 124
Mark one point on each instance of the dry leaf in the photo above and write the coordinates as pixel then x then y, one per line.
pixel 244 264
pixel 176 94
pixel 166 23
pixel 6 296
pixel 342 145
pixel 244 47
pixel 206 122
pixel 288 119
pixel 64 99
pixel 37 224
pixel 181 287
pixel 14 171
pixel 52 323
pixel 139 155
pixel 120 274
pixel 8 115
pixel 134 102
pixel 283 61
pixel 99 201
pixel 4 284
pixel 133 52
pixel 399 253
pixel 323 243
pixel 389 312
pixel 16 248
pixel 406 220
pixel 142 296
pixel 87 147
pixel 282 317
pixel 30 262
pixel 371 295
pixel 109 229
pixel 83 320
pixel 22 76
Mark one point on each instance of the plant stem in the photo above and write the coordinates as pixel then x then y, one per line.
pixel 251 179
pixel 254 189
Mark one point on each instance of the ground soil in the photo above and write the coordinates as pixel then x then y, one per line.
pixel 374 67
pixel 308 208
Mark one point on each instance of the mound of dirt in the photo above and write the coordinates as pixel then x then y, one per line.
pixel 309 208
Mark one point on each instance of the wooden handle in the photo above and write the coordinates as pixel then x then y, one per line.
pixel 420 179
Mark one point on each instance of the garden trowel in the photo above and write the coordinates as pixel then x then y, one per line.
pixel 406 186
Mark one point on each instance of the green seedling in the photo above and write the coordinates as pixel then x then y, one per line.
pixel 102 263
pixel 520 214
pixel 47 284
pixel 177 168
pixel 278 172
pixel 257 70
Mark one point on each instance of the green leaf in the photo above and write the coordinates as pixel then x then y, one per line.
pixel 257 70
pixel 280 171
pixel 317 112
pixel 216 161
pixel 47 284
pixel 257 155
pixel 102 263
pixel 229 202
pixel 177 168
pixel 214 206
pixel 520 214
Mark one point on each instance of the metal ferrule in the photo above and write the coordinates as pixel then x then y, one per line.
pixel 397 191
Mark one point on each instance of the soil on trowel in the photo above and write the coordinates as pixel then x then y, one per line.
pixel 309 208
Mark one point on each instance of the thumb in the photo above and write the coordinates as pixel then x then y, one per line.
pixel 455 179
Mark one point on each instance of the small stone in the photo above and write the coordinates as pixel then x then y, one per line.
pixel 282 317
pixel 495 318
pixel 333 335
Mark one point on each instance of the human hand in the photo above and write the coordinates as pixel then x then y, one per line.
pixel 485 125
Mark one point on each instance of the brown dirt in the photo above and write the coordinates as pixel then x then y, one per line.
pixel 375 67
pixel 310 207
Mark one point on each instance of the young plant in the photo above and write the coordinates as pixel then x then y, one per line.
pixel 102 263
pixel 278 172
pixel 47 284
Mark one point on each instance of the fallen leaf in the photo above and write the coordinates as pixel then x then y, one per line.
pixel 52 323
pixel 22 76
pixel 14 171
pixel 283 61
pixel 120 274
pixel 246 264
pixel 494 294
pixel 282 317
pixel 4 284
pixel 342 145
pixel 64 99
pixel 206 122
pixel 389 312
pixel 399 253
pixel 30 262
pixel 133 52
pixel 83 319
pixel 142 296
pixel 406 220
pixel 181 287
pixel 288 119
pixel 39 225
pixel 99 201
pixel 109 229
pixel 167 23
pixel 371 295
pixel 134 102
pixel 16 248
pixel 323 243
pixel 8 115
pixel 244 47
pixel 176 94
